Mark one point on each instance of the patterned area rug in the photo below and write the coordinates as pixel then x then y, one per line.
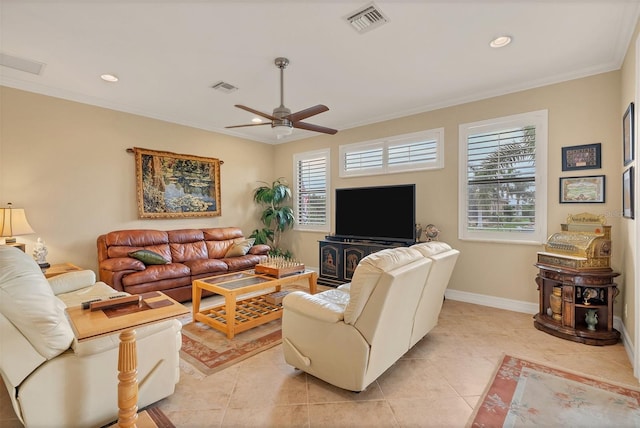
pixel 524 393
pixel 208 351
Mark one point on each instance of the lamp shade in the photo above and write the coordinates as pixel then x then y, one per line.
pixel 13 222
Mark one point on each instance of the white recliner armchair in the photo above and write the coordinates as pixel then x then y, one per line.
pixel 350 335
pixel 54 380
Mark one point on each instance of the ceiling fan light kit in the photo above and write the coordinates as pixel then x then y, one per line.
pixel 282 121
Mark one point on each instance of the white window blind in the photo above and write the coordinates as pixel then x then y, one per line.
pixel 408 152
pixel 363 160
pixel 503 179
pixel 312 185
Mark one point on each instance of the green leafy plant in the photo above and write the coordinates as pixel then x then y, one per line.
pixel 277 216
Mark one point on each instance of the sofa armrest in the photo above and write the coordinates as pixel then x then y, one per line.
pixel 259 249
pixel 313 306
pixel 72 281
pixel 121 263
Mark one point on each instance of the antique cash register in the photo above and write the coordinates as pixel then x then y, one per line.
pixel 575 282
pixel 584 243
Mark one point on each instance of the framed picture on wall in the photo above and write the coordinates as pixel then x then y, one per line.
pixel 581 157
pixel 171 185
pixel 627 134
pixel 627 193
pixel 584 190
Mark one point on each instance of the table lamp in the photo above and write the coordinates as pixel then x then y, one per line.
pixel 13 222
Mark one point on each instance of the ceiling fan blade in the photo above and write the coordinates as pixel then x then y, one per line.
pixel 249 124
pixel 259 113
pixel 315 128
pixel 308 112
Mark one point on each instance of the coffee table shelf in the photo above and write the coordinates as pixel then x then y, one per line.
pixel 250 313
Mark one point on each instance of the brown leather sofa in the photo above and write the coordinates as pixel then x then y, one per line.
pixel 192 254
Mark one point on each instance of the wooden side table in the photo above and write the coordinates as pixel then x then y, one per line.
pixel 152 308
pixel 579 292
pixel 59 269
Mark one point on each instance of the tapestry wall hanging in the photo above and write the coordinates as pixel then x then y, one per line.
pixel 171 185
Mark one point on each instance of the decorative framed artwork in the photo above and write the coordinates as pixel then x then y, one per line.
pixel 171 185
pixel 584 190
pixel 627 134
pixel 627 194
pixel 581 157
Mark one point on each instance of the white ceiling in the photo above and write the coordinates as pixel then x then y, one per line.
pixel 430 54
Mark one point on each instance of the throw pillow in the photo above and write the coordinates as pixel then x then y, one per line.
pixel 149 257
pixel 240 248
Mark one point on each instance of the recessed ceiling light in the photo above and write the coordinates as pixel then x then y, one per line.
pixel 109 78
pixel 256 120
pixel 500 41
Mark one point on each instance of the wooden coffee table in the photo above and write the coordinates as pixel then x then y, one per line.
pixel 235 316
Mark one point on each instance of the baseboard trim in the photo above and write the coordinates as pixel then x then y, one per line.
pixel 492 301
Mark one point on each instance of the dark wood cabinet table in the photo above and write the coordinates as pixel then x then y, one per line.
pixel 577 294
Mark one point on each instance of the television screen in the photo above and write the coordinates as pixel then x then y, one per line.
pixel 386 213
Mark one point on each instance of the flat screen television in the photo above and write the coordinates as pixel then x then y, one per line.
pixel 383 213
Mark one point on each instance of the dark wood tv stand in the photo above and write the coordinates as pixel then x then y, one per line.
pixel 339 258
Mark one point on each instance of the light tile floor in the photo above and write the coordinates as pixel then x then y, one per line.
pixel 436 384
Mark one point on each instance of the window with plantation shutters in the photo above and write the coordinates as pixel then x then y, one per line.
pixel 311 170
pixel 502 181
pixel 401 153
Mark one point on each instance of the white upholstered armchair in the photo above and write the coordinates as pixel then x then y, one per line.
pixel 54 380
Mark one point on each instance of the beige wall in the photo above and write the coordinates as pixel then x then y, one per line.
pixel 581 111
pixel 629 244
pixel 66 164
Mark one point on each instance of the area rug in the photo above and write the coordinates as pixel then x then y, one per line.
pixel 525 393
pixel 208 350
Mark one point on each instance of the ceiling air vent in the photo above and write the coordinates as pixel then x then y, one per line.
pixel 21 64
pixel 225 87
pixel 367 18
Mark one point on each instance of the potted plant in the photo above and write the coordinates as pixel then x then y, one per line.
pixel 276 216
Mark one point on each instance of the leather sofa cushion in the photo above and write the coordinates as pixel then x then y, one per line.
pixel 189 251
pixel 187 244
pixel 183 236
pixel 222 234
pixel 368 273
pixel 136 238
pixel 167 286
pixel 27 300
pixel 156 273
pixel 203 266
pixel 218 249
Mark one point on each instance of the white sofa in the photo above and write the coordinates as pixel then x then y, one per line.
pixel 54 380
pixel 350 335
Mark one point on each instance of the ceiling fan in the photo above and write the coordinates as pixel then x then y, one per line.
pixel 282 120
